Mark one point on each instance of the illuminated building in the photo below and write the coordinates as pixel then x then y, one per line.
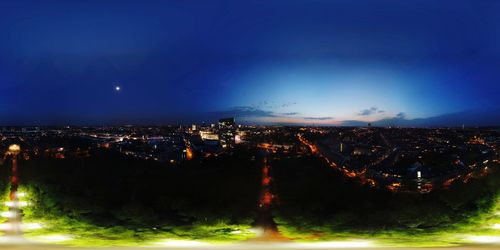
pixel 209 135
pixel 341 142
pixel 237 139
pixel 476 140
pixel 227 131
pixel 240 135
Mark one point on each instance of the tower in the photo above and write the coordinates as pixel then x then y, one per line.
pixel 341 142
pixel 227 131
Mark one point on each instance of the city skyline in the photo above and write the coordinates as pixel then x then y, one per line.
pixel 326 63
pixel 249 124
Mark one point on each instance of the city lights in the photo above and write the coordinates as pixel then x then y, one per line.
pixel 14 148
pixel 359 160
pixel 250 125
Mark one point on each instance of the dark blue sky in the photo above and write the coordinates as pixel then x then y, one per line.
pixel 262 61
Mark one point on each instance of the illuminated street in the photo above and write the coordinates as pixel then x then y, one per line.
pixel 266 227
pixel 13 226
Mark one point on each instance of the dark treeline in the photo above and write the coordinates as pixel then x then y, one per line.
pixel 110 189
pixel 5 170
pixel 313 194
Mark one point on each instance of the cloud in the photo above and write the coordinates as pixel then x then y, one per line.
pixel 321 118
pixel 273 105
pixel 245 111
pixel 252 113
pixel 354 123
pixel 288 104
pixel 290 113
pixel 399 119
pixel 370 111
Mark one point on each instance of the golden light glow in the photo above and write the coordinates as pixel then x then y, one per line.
pixel 189 153
pixel 311 146
pixel 14 148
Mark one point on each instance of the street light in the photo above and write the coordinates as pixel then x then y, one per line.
pixel 14 149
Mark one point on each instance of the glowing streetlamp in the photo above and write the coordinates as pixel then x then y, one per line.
pixel 13 225
pixel 14 149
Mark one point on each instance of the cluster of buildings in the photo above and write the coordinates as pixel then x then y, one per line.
pixel 160 143
pixel 399 159
pixel 409 159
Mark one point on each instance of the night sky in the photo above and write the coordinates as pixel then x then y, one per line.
pixel 267 62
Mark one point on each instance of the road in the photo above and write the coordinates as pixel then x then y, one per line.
pixel 268 229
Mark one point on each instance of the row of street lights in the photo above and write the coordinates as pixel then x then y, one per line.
pixel 14 226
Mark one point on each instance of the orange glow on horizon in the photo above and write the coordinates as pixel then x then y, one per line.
pixel 333 121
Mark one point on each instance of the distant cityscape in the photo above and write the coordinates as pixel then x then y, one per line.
pixel 393 158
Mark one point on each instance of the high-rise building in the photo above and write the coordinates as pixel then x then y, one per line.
pixel 227 131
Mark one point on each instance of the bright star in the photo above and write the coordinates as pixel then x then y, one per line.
pixel 117 88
